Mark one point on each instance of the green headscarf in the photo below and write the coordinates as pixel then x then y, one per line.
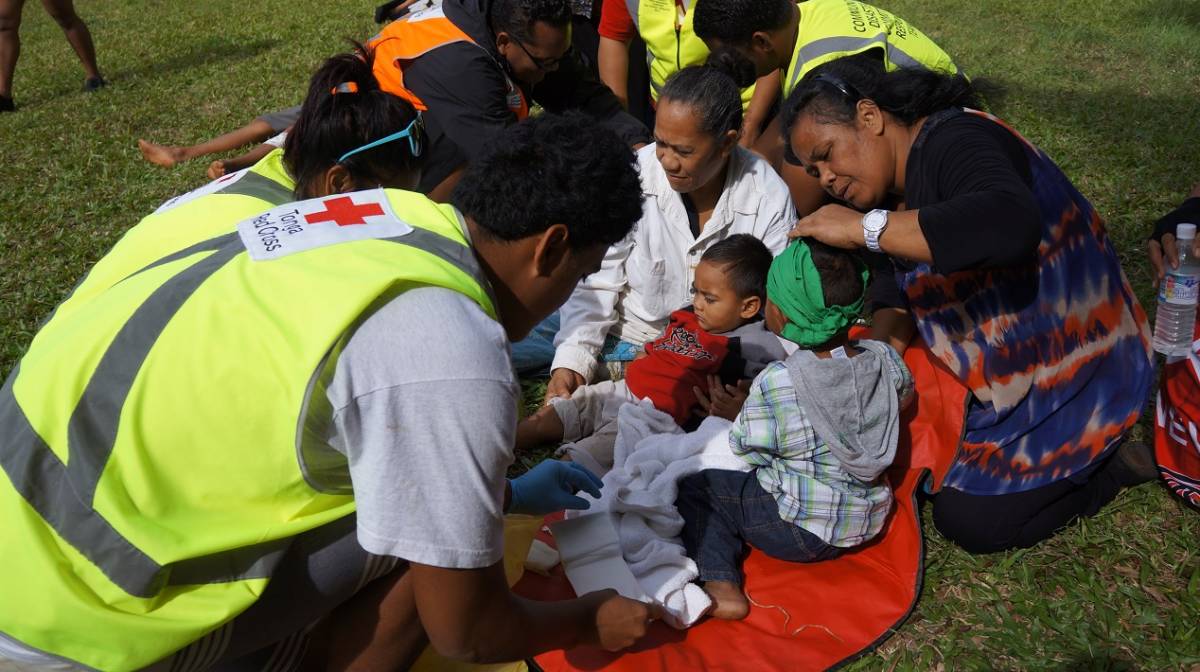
pixel 794 284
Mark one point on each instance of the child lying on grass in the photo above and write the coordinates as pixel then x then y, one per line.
pixel 718 345
pixel 819 429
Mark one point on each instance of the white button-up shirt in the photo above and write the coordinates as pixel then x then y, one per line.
pixel 649 274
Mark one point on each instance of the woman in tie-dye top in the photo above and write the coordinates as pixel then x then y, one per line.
pixel 1009 276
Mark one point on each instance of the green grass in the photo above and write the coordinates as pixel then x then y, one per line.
pixel 1108 89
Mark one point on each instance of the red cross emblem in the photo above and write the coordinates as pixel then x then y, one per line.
pixel 343 212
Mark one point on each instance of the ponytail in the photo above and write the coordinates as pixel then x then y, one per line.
pixel 734 65
pixel 344 110
pixel 831 92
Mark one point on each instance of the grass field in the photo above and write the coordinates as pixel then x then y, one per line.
pixel 1111 90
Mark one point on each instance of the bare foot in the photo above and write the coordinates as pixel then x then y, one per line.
pixel 162 155
pixel 216 170
pixel 729 603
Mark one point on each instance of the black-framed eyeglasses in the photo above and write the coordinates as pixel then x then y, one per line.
pixel 544 64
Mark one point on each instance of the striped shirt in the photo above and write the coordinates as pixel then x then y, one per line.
pixel 773 433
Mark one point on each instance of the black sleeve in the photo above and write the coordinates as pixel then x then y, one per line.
pixel 465 90
pixel 572 87
pixel 883 290
pixel 977 210
pixel 1187 213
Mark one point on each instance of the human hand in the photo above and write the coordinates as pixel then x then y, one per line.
pixel 832 224
pixel 620 621
pixel 562 383
pixel 723 401
pixel 551 486
pixel 1165 254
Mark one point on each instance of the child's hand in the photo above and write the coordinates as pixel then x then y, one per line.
pixel 723 401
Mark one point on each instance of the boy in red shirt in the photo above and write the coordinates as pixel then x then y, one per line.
pixel 701 364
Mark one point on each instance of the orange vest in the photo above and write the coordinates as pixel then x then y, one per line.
pixel 410 37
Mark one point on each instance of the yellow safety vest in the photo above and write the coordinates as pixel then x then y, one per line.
pixel 831 29
pixel 671 43
pixel 160 440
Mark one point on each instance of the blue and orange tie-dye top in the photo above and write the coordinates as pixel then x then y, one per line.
pixel 1056 353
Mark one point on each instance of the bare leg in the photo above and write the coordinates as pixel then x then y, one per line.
pixel 729 603
pixel 541 427
pixel 63 13
pixel 219 168
pixel 10 43
pixel 167 156
pixel 379 629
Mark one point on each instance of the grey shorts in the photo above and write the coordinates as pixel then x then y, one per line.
pixel 321 569
pixel 282 120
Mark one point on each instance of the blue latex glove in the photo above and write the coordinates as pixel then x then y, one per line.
pixel 551 486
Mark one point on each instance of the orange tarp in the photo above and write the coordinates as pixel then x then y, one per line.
pixel 808 616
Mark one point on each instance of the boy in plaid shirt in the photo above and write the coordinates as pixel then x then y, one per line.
pixel 818 431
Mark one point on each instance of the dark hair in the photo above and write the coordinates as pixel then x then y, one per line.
pixel 739 69
pixel 840 271
pixel 711 93
pixel 553 169
pixel 746 262
pixel 345 109
pixel 831 92
pixel 516 17
pixel 735 21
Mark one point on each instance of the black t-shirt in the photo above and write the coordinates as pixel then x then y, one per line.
pixel 1187 213
pixel 969 178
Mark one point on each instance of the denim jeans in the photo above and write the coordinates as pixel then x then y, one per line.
pixel 725 510
pixel 533 355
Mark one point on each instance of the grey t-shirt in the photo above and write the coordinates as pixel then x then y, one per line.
pixel 425 409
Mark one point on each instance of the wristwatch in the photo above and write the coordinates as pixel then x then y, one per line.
pixel 874 223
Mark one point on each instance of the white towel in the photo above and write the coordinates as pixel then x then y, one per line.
pixel 651 455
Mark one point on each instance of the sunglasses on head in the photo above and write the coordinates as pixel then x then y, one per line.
pixel 414 132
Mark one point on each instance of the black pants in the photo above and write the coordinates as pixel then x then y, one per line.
pixel 991 523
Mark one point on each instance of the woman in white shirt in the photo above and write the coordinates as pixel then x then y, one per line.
pixel 700 187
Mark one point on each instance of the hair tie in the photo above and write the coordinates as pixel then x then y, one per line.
pixel 345 87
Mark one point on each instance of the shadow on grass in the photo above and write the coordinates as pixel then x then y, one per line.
pixel 1114 128
pixel 211 50
pixel 1185 13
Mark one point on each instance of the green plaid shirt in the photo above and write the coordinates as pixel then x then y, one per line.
pixel 773 434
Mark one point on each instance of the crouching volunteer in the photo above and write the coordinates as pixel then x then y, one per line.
pixel 752 38
pixel 480 65
pixel 218 439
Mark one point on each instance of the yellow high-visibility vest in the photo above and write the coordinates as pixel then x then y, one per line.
pixel 161 440
pixel 831 29
pixel 671 43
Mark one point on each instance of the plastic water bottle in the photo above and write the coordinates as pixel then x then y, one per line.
pixel 1175 323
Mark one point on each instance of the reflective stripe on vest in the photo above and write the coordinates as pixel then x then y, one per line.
pixel 831 29
pixel 410 37
pixel 671 42
pixel 126 606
